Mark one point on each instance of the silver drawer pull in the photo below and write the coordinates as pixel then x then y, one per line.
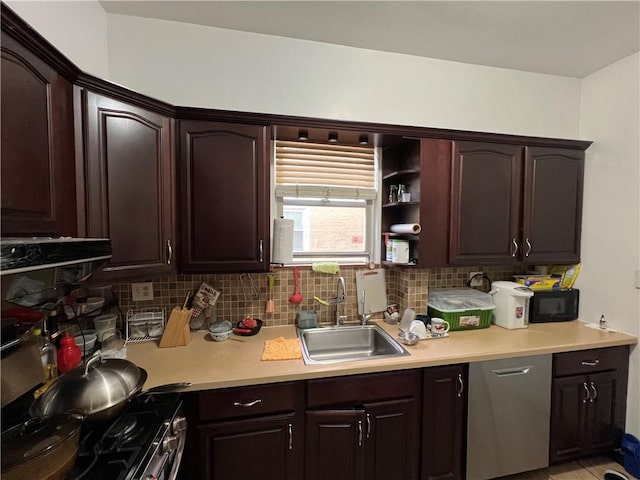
pixel 592 363
pixel 586 392
pixel 514 251
pixel 460 388
pixel 505 372
pixel 247 404
pixel 359 433
pixel 595 392
pixel 290 436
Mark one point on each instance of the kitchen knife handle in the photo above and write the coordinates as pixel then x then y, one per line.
pixel 247 404
pixel 514 251
pixel 586 391
pixel 460 385
pixel 169 252
pixel 260 249
pixel 526 240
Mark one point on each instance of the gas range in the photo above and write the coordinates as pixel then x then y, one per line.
pixel 144 442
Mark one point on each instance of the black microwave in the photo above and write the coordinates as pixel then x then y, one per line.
pixel 554 305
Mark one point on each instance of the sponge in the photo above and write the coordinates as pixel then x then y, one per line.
pixel 326 267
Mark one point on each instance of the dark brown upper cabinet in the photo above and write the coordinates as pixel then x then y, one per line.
pixel 424 167
pixel 129 185
pixel 224 197
pixel 38 176
pixel 515 204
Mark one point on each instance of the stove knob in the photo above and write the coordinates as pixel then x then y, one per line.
pixel 179 425
pixel 169 444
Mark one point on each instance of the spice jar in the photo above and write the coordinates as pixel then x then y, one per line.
pixel 401 191
pixel 393 193
pixel 69 354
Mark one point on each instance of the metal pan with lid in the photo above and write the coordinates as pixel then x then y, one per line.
pixel 97 391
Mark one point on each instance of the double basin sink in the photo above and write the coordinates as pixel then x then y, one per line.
pixel 347 343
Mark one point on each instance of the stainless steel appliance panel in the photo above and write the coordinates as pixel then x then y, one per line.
pixel 509 416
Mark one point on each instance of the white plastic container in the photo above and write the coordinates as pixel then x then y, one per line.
pixel 400 251
pixel 512 304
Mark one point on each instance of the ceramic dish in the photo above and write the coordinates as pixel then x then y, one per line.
pixel 247 332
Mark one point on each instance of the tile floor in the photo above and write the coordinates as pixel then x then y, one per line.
pixel 587 469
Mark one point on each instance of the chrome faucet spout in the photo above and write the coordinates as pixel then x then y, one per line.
pixel 341 298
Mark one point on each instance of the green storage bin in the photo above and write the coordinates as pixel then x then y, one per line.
pixel 463 308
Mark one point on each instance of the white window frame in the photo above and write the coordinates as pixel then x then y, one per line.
pixel 372 240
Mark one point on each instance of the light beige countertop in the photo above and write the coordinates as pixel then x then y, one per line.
pixel 209 365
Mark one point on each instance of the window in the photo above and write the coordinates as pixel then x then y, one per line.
pixel 330 192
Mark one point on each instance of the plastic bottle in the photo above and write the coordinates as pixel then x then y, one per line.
pixel 69 354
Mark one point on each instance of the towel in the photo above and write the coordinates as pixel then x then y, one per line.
pixel 282 349
pixel 326 267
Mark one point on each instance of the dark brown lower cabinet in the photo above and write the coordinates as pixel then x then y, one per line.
pixel 256 448
pixel 588 402
pixel 245 433
pixel 444 400
pixel 363 427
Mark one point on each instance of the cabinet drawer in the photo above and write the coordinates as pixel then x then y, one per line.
pixel 587 361
pixel 358 389
pixel 246 401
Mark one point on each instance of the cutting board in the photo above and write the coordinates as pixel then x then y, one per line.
pixel 373 284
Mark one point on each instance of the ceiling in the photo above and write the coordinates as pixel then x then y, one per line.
pixel 568 38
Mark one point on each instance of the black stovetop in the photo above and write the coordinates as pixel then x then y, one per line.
pixel 116 448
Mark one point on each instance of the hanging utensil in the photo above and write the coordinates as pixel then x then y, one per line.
pixel 247 284
pixel 270 307
pixel 297 296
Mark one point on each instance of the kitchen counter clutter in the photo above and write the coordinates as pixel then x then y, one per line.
pixel 213 365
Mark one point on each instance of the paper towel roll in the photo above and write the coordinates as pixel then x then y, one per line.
pixel 406 228
pixel 282 250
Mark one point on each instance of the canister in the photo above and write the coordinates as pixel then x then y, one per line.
pixel 400 251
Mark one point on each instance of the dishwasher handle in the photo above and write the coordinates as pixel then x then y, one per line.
pixel 507 372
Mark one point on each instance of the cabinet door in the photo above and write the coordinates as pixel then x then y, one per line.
pixel 224 197
pixel 391 440
pixel 254 449
pixel 37 147
pixel 603 425
pixel 552 212
pixel 443 415
pixel 485 203
pixel 129 183
pixel 569 406
pixel 334 447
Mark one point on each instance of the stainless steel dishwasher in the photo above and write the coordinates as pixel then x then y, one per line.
pixel 509 416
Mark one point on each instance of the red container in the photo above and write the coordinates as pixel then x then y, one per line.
pixel 69 354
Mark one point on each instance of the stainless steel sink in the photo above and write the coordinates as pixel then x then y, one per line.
pixel 347 343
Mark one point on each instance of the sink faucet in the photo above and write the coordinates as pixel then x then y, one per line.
pixel 364 317
pixel 341 298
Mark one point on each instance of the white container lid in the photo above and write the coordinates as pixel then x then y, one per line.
pixel 459 299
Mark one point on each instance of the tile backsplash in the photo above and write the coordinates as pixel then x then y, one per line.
pixel 407 287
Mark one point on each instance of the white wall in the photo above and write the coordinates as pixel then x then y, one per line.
pixel 78 29
pixel 192 65
pixel 611 217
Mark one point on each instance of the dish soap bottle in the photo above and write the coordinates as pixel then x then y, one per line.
pixel 69 354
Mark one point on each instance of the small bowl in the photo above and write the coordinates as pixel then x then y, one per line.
pixel 220 336
pixel 86 345
pixel 105 322
pixel 220 327
pixel 408 338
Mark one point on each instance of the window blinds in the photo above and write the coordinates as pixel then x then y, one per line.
pixel 315 170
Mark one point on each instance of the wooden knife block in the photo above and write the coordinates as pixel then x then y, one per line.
pixel 177 332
